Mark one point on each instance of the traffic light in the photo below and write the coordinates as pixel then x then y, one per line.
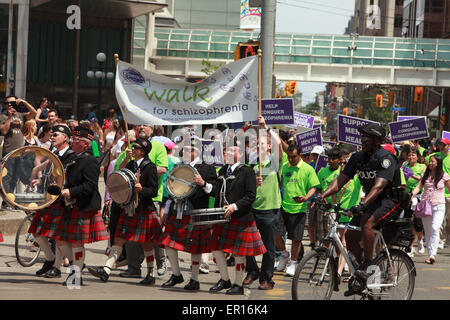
pixel 324 119
pixel 287 88
pixel 277 94
pixel 359 111
pixel 391 98
pixel 418 94
pixel 443 120
pixel 379 101
pixel 246 49
pixel 293 87
pixel 345 111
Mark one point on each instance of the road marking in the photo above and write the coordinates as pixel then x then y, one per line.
pixel 443 288
pixel 431 269
pixel 277 292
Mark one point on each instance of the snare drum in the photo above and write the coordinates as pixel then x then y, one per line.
pixel 121 186
pixel 208 216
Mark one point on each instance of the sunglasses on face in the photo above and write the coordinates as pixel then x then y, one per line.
pixel 137 147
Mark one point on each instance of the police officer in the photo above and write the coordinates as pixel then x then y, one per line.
pixel 378 171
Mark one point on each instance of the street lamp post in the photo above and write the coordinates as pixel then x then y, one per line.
pixel 100 74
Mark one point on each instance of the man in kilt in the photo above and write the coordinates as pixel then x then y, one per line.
pixel 143 226
pixel 45 221
pixel 82 221
pixel 180 234
pixel 236 188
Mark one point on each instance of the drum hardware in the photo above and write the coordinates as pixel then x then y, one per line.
pixel 208 216
pixel 121 189
pixel 138 176
pixel 181 185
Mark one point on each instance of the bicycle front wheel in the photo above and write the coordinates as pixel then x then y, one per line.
pixel 314 276
pixel 27 251
pixel 402 271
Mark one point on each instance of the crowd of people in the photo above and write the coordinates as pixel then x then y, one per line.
pixel 263 210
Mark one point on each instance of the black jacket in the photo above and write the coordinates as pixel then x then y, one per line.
pixel 82 181
pixel 149 181
pixel 241 191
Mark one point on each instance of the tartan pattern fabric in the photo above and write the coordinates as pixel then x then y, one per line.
pixel 142 227
pixel 240 238
pixel 45 221
pixel 181 235
pixel 82 227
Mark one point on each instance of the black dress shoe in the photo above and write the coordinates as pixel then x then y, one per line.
pixel 148 281
pixel 235 289
pixel 47 266
pixel 220 285
pixel 193 285
pixel 99 272
pixel 130 274
pixel 173 281
pixel 52 273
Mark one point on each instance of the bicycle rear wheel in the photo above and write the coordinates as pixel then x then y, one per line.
pixel 404 269
pixel 311 281
pixel 27 251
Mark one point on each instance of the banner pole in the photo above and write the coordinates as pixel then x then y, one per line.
pixel 116 59
pixel 259 105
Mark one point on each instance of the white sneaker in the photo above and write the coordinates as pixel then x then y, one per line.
pixel 421 247
pixel 290 270
pixel 411 254
pixel 283 262
pixel 204 268
pixel 441 245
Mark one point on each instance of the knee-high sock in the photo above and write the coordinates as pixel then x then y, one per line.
pixel 58 258
pixel 221 262
pixel 172 255
pixel 150 260
pixel 195 258
pixel 79 255
pixel 240 269
pixel 45 246
pixel 115 253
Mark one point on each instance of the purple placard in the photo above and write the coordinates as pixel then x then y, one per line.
pixel 309 139
pixel 411 129
pixel 403 118
pixel 212 152
pixel 348 129
pixel 322 162
pixel 277 111
pixel 446 134
pixel 328 144
pixel 303 120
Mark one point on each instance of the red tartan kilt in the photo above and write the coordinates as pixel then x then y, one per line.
pixel 82 227
pixel 45 221
pixel 240 238
pixel 181 235
pixel 142 227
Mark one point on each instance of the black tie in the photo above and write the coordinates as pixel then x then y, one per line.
pixel 135 166
pixel 229 171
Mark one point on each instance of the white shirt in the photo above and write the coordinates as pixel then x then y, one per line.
pixel 61 152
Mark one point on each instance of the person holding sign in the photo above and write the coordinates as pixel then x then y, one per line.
pixel 299 185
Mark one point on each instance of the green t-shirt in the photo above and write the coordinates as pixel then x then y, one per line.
pixel 445 166
pixel 172 162
pixel 411 183
pixel 326 176
pixel 297 181
pixel 268 196
pixel 351 196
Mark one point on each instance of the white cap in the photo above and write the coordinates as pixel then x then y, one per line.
pixel 318 150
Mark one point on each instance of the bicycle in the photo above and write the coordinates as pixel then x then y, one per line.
pixel 26 249
pixel 392 275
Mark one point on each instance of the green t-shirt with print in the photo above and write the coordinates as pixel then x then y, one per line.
pixel 268 196
pixel 411 183
pixel 326 176
pixel 297 181
pixel 351 196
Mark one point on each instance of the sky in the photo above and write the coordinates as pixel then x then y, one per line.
pixel 313 17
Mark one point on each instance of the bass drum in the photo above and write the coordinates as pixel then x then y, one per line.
pixel 26 174
pixel 180 181
pixel 120 185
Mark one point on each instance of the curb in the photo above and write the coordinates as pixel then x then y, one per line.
pixel 10 221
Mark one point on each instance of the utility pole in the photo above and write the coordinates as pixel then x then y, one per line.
pixel 268 9
pixel 10 58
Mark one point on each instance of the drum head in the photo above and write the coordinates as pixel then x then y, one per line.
pixel 26 174
pixel 180 181
pixel 121 185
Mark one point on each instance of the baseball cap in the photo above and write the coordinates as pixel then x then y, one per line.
pixel 445 141
pixel 390 148
pixel 92 117
pixel 131 135
pixel 373 129
pixel 318 150
pixel 169 144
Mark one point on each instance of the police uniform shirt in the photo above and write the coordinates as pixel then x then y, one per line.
pixel 382 164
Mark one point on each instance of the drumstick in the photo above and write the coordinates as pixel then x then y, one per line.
pixel 138 175
pixel 116 59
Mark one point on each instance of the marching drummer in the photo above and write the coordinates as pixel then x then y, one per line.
pixel 142 225
pixel 82 221
pixel 180 234
pixel 45 221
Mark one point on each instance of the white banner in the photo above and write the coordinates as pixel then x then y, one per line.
pixel 228 95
